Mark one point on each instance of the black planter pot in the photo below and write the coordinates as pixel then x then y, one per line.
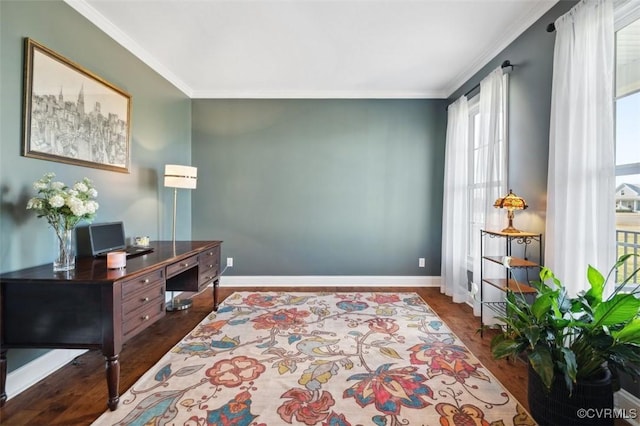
pixel 587 405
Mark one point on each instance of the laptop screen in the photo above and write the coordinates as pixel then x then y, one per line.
pixel 106 237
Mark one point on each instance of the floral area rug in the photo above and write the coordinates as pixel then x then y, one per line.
pixel 330 359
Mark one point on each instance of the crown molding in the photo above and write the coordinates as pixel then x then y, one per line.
pixel 510 34
pixel 86 10
pixel 317 94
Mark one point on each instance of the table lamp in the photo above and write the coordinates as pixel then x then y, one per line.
pixel 511 202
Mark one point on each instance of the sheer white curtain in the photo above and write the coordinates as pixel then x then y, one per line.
pixel 491 170
pixel 455 206
pixel 581 181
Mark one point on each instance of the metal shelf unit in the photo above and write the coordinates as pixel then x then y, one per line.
pixel 507 283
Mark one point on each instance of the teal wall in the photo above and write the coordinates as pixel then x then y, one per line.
pixel 321 187
pixel 161 133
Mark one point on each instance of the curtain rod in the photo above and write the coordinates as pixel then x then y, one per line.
pixel 505 64
pixel 551 27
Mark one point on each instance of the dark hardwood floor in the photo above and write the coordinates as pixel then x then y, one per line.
pixel 77 393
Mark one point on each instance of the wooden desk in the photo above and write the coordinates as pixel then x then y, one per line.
pixel 94 307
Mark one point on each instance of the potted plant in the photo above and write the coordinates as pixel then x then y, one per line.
pixel 573 344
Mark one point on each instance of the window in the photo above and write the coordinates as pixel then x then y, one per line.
pixel 487 165
pixel 476 215
pixel 627 128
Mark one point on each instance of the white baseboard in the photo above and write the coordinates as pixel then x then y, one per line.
pixel 629 404
pixel 328 281
pixel 32 372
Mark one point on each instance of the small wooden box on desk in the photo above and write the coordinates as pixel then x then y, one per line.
pixel 94 307
pixel 506 283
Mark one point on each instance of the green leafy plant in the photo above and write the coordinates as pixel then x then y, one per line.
pixel 573 337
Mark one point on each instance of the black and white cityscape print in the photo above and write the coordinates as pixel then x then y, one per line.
pixel 76 117
pixel 63 127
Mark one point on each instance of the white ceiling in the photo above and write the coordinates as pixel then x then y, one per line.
pixel 314 48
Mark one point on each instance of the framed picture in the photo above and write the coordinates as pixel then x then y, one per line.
pixel 71 115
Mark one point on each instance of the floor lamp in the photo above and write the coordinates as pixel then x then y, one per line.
pixel 175 177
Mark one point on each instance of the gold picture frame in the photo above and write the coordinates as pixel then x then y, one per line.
pixel 71 115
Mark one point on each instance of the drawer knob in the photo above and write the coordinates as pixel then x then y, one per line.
pixel 145 281
pixel 184 265
pixel 210 253
pixel 144 318
pixel 144 299
pixel 210 265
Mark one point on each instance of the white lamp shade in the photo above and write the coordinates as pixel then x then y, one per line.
pixel 176 176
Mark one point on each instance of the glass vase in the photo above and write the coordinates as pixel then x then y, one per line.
pixel 65 250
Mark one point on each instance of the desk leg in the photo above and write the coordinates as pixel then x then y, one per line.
pixel 216 284
pixel 3 377
pixel 113 380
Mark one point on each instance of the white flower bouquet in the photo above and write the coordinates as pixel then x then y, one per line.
pixel 64 207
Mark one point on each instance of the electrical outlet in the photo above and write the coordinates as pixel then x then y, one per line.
pixel 421 262
pixel 229 262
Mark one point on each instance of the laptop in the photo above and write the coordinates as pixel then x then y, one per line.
pixel 107 237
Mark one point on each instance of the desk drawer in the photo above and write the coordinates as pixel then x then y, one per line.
pixel 141 318
pixel 146 281
pixel 209 267
pixel 209 264
pixel 145 296
pixel 206 277
pixel 181 266
pixel 209 259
